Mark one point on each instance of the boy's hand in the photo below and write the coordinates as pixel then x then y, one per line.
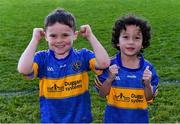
pixel 38 33
pixel 113 71
pixel 147 75
pixel 85 31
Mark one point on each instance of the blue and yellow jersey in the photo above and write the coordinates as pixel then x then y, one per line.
pixel 64 95
pixel 126 101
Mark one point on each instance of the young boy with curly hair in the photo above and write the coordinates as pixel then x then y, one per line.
pixel 131 80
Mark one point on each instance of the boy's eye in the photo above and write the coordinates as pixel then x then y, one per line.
pixel 125 36
pixel 137 38
pixel 52 35
pixel 65 34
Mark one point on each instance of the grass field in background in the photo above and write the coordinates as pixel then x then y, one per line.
pixel 19 17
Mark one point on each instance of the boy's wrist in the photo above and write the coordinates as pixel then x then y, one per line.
pixel 110 80
pixel 35 40
pixel 148 85
pixel 91 37
pixel 112 77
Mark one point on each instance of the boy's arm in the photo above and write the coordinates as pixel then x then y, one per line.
pixel 148 91
pixel 106 86
pixel 102 58
pixel 147 82
pixel 25 64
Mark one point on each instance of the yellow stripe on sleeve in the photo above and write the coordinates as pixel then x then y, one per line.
pixel 154 95
pixel 93 68
pixel 35 68
pixel 33 74
pixel 98 84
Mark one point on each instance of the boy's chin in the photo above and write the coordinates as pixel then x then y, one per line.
pixel 61 54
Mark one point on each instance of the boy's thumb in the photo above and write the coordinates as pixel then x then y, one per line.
pixel 147 67
pixel 82 29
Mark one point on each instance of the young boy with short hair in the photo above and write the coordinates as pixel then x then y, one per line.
pixel 62 70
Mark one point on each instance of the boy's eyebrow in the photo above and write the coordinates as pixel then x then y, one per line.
pixel 123 32
pixel 52 34
pixel 139 32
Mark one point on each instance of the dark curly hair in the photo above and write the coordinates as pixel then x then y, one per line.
pixel 121 24
pixel 61 16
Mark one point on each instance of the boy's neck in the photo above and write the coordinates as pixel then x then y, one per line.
pixel 132 62
pixel 61 56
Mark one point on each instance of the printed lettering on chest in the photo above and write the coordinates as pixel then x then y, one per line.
pixel 64 87
pixel 127 98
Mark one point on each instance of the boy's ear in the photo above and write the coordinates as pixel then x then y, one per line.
pixel 118 44
pixel 45 36
pixel 75 35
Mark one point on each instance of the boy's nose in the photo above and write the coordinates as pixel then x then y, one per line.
pixel 131 40
pixel 59 41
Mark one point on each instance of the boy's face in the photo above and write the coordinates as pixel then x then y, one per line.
pixel 130 40
pixel 60 39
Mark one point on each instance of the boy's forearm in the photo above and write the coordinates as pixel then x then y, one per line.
pixel 100 53
pixel 105 88
pixel 148 92
pixel 25 64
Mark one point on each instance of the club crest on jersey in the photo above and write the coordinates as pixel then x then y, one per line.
pixel 76 66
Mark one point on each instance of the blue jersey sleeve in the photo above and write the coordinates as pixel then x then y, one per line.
pixel 99 79
pixel 154 80
pixel 89 59
pixel 87 56
pixel 37 66
pixel 154 83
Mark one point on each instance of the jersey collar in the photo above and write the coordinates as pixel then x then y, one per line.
pixel 119 63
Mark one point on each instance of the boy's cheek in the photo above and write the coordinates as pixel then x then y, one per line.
pixel 69 43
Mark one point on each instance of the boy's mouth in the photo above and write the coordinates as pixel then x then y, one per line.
pixel 130 48
pixel 60 46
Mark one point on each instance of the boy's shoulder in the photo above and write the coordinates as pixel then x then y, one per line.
pixel 147 62
pixel 144 61
pixel 43 52
pixel 114 58
pixel 82 51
